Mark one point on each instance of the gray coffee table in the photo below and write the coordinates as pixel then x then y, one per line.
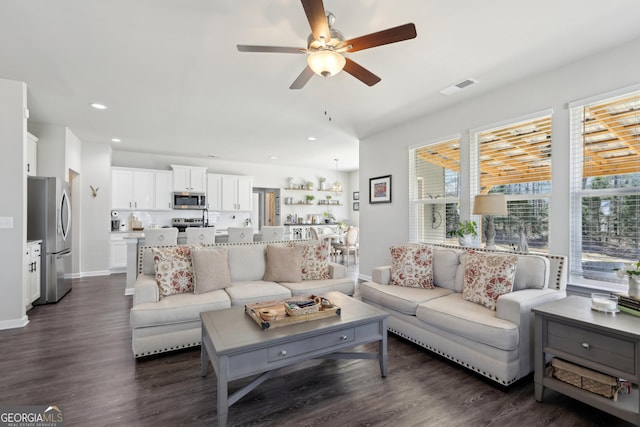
pixel 237 347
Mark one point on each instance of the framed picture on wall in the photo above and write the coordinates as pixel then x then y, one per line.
pixel 356 195
pixel 380 189
pixel 356 206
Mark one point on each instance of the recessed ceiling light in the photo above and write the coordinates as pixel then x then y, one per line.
pixel 312 138
pixel 213 156
pixel 273 157
pixel 98 106
pixel 116 140
pixel 458 87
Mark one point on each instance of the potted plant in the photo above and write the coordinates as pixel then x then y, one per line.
pixel 309 185
pixel 632 271
pixel 310 198
pixel 465 232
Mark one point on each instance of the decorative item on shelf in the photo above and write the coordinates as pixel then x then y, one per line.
pixel 94 191
pixel 336 187
pixel 465 232
pixel 490 205
pixel 289 182
pixel 632 271
pixel 323 183
pixel 310 198
pixel 309 185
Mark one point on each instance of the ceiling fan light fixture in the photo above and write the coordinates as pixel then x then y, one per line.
pixel 326 62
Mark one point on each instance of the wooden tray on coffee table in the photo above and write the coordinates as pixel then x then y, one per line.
pixel 282 317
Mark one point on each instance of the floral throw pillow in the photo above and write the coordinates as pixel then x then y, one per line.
pixel 412 266
pixel 174 271
pixel 487 276
pixel 315 261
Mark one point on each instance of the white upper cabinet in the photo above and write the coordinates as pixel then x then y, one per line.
pixel 214 202
pixel 32 155
pixel 189 178
pixel 132 189
pixel 163 186
pixel 234 193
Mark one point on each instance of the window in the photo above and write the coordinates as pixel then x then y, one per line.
pixel 434 190
pixel 515 160
pixel 605 185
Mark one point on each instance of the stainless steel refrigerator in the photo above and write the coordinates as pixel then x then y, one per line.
pixel 49 220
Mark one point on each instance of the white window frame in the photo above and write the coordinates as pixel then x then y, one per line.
pixel 576 109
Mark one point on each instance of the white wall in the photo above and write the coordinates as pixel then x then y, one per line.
pixel 95 224
pixel 13 187
pixel 385 224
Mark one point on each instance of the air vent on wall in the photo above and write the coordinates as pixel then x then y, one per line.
pixel 458 87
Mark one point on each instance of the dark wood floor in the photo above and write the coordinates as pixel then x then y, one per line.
pixel 77 354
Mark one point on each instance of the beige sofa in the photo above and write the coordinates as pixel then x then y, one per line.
pixel 173 322
pixel 495 343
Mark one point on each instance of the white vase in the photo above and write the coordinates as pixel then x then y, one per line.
pixel 466 240
pixel 634 287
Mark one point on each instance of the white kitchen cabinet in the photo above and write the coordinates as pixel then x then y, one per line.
pixel 31 286
pixel 189 178
pixel 236 193
pixel 163 182
pixel 132 189
pixel 32 155
pixel 214 203
pixel 118 259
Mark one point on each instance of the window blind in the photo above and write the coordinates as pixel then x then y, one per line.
pixel 605 186
pixel 515 159
pixel 434 190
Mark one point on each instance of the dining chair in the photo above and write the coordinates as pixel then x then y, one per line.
pixel 204 235
pixel 350 245
pixel 240 234
pixel 161 236
pixel 272 233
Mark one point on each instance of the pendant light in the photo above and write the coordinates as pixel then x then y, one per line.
pixel 336 187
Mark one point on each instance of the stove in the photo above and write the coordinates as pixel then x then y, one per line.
pixel 182 223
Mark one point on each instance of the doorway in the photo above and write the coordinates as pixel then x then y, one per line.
pixel 266 206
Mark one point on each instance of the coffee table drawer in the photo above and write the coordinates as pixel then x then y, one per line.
pixel 609 350
pixel 296 348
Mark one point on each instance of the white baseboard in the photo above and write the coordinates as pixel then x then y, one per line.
pixel 91 274
pixel 364 277
pixel 14 323
pixel 128 291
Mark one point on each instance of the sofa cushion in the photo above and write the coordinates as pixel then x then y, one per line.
pixel 177 308
pixel 487 276
pixel 242 293
pixel 412 266
pixel 210 270
pixel 174 271
pixel 473 321
pixel 445 266
pixel 284 264
pixel 532 272
pixel 400 298
pixel 315 260
pixel 246 262
pixel 320 287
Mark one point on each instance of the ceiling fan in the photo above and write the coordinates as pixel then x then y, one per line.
pixel 326 46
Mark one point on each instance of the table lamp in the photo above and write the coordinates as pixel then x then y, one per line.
pixel 490 205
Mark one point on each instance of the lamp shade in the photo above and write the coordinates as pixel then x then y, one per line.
pixel 326 62
pixel 490 204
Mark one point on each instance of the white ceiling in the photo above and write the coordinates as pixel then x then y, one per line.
pixel 175 84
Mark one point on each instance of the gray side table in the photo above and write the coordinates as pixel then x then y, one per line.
pixel 607 343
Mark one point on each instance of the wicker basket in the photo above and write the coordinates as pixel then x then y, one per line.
pixel 298 311
pixel 586 379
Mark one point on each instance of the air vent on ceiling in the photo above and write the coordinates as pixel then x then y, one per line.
pixel 458 87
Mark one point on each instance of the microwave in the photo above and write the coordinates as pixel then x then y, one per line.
pixel 184 200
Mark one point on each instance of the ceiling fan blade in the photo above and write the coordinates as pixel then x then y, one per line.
pixel 270 49
pixel 360 73
pixel 317 18
pixel 391 35
pixel 302 79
